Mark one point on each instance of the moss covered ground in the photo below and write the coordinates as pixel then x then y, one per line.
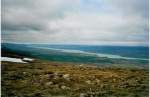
pixel 56 79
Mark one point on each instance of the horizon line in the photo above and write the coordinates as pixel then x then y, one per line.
pixel 78 44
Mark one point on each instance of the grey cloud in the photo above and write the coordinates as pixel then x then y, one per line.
pixel 30 14
pixel 62 21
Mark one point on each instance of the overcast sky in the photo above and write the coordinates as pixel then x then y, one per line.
pixel 102 22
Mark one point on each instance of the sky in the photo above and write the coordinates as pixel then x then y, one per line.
pixel 98 22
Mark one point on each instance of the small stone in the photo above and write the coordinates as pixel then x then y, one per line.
pixel 114 80
pixel 66 76
pixel 49 83
pixel 65 88
pixel 24 73
pixel 97 81
pixel 82 95
pixel 81 65
pixel 88 82
pixel 56 73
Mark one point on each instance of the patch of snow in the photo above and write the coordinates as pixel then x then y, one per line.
pixel 27 59
pixel 12 59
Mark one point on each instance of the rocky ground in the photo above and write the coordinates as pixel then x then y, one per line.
pixel 54 79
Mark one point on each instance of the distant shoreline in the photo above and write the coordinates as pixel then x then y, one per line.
pixel 71 56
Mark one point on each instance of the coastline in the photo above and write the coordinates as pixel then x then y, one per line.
pixel 100 55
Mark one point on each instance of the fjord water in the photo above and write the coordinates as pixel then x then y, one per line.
pixel 84 53
pixel 124 51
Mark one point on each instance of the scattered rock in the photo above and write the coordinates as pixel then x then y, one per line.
pixel 97 81
pixel 114 80
pixel 65 88
pixel 66 76
pixel 48 83
pixel 24 73
pixel 88 82
pixel 81 65
pixel 56 73
pixel 82 95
